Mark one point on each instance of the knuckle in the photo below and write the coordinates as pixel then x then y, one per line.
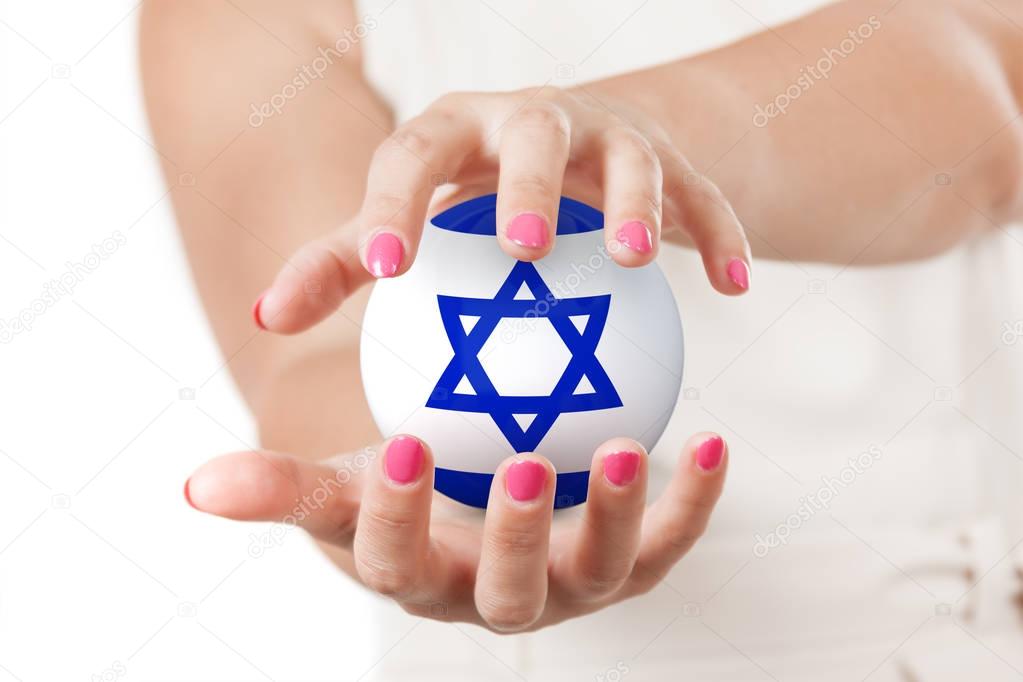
pixel 412 138
pixel 630 141
pixel 604 579
pixel 544 116
pixel 535 184
pixel 381 549
pixel 388 522
pixel 513 543
pixel 384 578
pixel 444 116
pixel 507 615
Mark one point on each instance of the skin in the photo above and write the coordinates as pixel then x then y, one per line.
pixel 936 89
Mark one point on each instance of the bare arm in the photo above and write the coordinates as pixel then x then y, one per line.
pixel 842 122
pixel 261 192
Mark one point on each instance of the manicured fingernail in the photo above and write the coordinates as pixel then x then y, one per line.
pixel 621 467
pixel 708 455
pixel 255 311
pixel 404 459
pixel 529 230
pixel 383 257
pixel 525 480
pixel 188 498
pixel 738 272
pixel 635 236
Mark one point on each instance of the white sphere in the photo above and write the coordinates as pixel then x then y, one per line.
pixel 482 356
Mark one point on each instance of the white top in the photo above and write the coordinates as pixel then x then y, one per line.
pixel 912 371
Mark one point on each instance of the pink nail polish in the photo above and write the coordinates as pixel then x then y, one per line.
pixel 383 257
pixel 708 455
pixel 738 272
pixel 404 459
pixel 525 480
pixel 255 312
pixel 635 235
pixel 188 497
pixel 621 467
pixel 529 230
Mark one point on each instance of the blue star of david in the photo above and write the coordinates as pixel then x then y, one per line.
pixel 545 409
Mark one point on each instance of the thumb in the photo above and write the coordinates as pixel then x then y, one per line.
pixel 320 497
pixel 312 284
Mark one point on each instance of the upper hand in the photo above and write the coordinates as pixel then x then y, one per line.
pixel 525 141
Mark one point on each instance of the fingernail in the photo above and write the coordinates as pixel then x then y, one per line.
pixel 525 480
pixel 188 498
pixel 384 255
pixel 529 230
pixel 635 236
pixel 621 467
pixel 738 272
pixel 255 311
pixel 404 459
pixel 708 455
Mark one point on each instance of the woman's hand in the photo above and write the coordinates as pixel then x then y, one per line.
pixel 511 573
pixel 535 145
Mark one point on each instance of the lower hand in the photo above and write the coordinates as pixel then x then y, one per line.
pixel 510 573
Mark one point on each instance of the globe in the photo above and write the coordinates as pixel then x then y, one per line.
pixel 483 356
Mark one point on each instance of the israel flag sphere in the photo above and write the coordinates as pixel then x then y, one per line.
pixel 482 356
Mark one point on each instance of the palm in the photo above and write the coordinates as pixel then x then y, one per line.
pixel 511 568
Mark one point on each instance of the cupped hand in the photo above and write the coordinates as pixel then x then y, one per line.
pixel 535 145
pixel 511 573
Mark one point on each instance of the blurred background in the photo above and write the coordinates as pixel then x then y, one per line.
pixel 112 391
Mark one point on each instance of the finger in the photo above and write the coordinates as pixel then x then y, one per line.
pixel 603 553
pixel 511 582
pixel 679 516
pixel 393 533
pixel 709 220
pixel 322 498
pixel 533 152
pixel 406 169
pixel 632 191
pixel 313 283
